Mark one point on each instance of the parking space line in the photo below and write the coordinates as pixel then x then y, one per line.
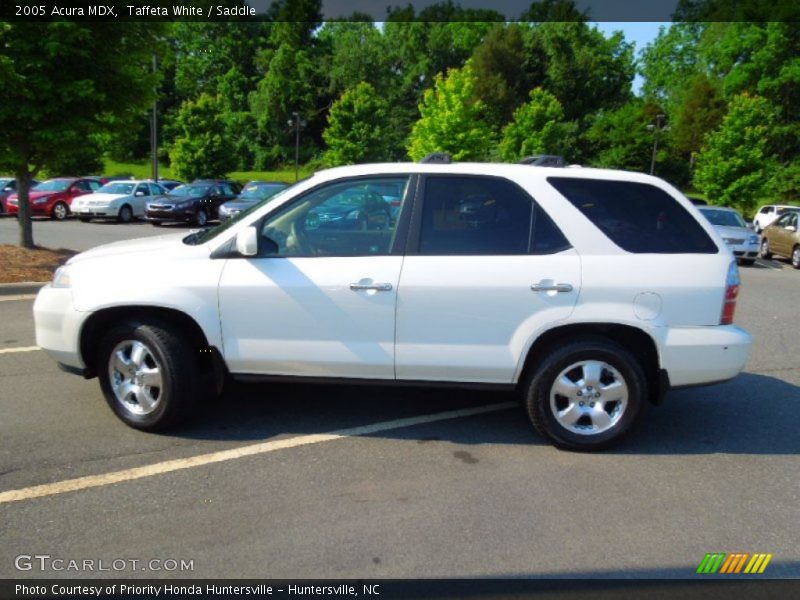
pixel 17 297
pixel 20 349
pixel 90 481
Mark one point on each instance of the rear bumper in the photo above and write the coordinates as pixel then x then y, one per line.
pixel 58 326
pixel 704 355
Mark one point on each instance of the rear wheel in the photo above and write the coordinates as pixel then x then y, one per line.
pixel 586 394
pixel 765 253
pixel 60 211
pixel 149 375
pixel 125 214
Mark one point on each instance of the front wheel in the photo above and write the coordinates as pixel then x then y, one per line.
pixel 60 211
pixel 747 262
pixel 201 218
pixel 149 375
pixel 765 253
pixel 796 257
pixel 125 214
pixel 586 394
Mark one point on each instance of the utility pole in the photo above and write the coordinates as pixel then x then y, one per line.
pixel 297 122
pixel 154 128
pixel 657 128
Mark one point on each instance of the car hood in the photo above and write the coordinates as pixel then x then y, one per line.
pixel 734 232
pixel 169 198
pixel 159 244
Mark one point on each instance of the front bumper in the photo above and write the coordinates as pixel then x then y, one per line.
pixel 703 355
pixel 745 251
pixel 58 326
pixel 170 216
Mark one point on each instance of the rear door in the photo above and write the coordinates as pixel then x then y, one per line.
pixel 485 267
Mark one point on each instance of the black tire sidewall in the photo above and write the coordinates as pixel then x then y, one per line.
pixel 125 210
pixel 55 213
pixel 538 393
pixel 176 371
pixel 197 218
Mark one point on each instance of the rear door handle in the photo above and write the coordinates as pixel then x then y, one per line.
pixel 378 287
pixel 551 287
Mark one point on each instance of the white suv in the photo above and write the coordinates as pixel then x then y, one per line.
pixel 590 291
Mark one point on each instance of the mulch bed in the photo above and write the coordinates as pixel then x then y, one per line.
pixel 20 264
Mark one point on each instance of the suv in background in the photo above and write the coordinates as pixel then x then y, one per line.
pixel 591 292
pixel 767 214
pixel 197 202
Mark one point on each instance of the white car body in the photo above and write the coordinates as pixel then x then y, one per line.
pixel 463 319
pixel 107 206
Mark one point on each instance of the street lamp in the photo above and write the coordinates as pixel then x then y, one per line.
pixel 297 123
pixel 657 127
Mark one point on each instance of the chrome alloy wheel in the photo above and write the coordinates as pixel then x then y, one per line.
pixel 588 397
pixel 135 377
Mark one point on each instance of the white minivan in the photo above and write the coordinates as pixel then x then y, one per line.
pixel 590 291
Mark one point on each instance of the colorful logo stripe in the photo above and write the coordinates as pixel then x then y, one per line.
pixel 733 563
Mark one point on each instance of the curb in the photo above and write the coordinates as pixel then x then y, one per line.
pixel 23 287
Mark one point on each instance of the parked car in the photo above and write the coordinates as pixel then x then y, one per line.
pixel 53 198
pixel 120 200
pixel 743 242
pixel 197 202
pixel 8 185
pixel 252 193
pixel 354 208
pixel 603 290
pixel 767 214
pixel 782 238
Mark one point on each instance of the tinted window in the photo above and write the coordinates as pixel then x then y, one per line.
pixel 335 220
pixel 637 217
pixel 474 215
pixel 143 188
pixel 156 190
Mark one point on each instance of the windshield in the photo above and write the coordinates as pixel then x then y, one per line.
pixel 260 191
pixel 723 218
pixel 190 190
pixel 53 185
pixel 4 181
pixel 201 237
pixel 117 188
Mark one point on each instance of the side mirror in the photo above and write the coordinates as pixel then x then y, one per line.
pixel 75 190
pixel 8 189
pixel 247 241
pixel 791 228
pixel 139 193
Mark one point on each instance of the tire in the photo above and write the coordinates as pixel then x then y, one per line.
pixel 84 219
pixel 201 218
pixel 125 214
pixel 148 374
pixel 764 252
pixel 747 262
pixel 156 223
pixel 60 211
pixel 587 427
pixel 796 257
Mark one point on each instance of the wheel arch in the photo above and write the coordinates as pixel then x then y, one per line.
pixel 99 322
pixel 638 341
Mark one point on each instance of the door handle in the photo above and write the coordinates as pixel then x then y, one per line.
pixel 378 287
pixel 552 287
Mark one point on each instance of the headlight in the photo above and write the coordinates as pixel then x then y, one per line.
pixel 61 278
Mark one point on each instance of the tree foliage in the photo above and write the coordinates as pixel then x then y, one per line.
pixel 452 119
pixel 356 127
pixel 537 128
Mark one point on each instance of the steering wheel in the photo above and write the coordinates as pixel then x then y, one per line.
pixel 300 238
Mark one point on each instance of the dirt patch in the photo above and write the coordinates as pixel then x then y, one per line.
pixel 20 264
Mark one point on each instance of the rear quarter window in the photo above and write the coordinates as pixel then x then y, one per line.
pixel 637 217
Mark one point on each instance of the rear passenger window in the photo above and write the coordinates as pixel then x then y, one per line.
pixel 483 216
pixel 637 217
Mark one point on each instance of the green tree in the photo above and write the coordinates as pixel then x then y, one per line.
pixel 452 119
pixel 61 83
pixel 201 148
pixel 736 165
pixel 537 128
pixel 356 127
pixel 699 112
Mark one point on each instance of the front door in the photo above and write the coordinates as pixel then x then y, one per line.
pixel 320 298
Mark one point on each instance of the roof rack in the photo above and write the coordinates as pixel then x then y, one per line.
pixel 438 158
pixel 543 160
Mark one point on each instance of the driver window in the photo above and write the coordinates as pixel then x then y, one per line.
pixel 349 218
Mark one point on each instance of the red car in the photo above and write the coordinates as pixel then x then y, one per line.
pixel 52 198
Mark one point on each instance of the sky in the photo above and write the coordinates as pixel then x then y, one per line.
pixel 641 33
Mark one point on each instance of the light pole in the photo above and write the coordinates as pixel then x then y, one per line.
pixel 297 123
pixel 657 128
pixel 154 129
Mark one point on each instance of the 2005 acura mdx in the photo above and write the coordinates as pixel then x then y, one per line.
pixel 590 291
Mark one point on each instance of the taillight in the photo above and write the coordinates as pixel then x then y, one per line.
pixel 732 283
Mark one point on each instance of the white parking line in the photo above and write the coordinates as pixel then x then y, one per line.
pixel 20 349
pixel 17 297
pixel 82 483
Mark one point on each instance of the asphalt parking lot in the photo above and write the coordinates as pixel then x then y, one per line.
pixel 455 494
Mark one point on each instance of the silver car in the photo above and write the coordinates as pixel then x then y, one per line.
pixel 743 241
